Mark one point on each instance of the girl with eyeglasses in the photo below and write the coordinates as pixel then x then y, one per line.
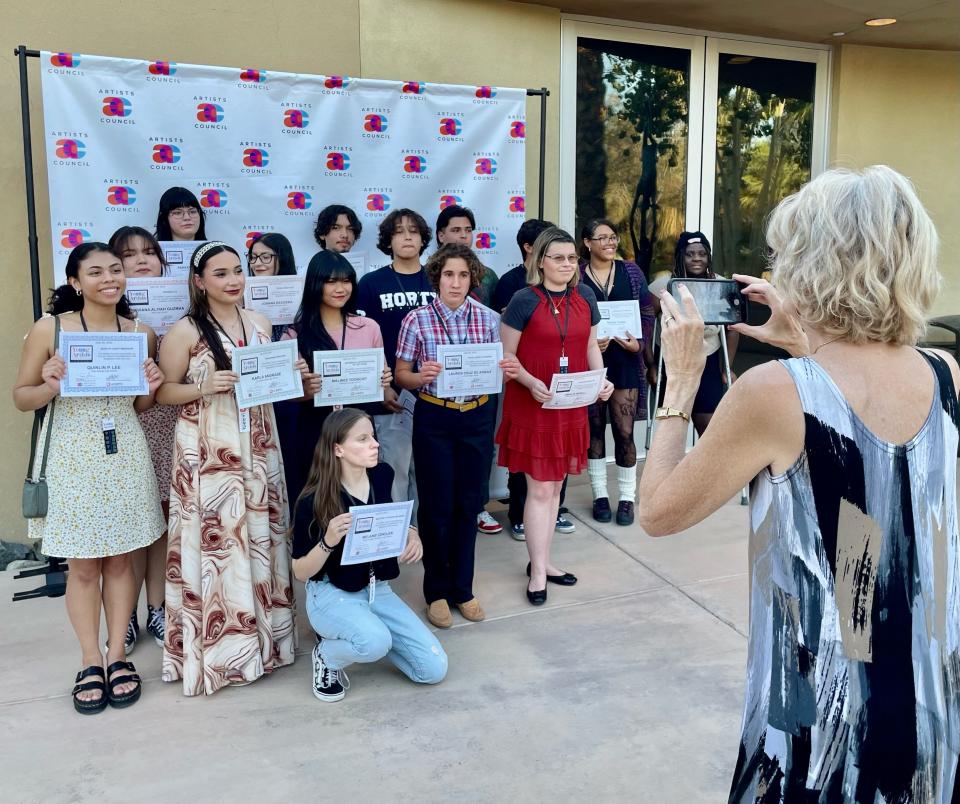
pixel 271 254
pixel 626 360
pixel 229 596
pixel 549 327
pixel 180 216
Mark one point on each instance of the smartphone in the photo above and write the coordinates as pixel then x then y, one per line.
pixel 720 301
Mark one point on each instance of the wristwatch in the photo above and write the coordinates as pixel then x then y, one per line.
pixel 668 413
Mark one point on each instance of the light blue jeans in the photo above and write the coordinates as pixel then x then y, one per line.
pixel 355 631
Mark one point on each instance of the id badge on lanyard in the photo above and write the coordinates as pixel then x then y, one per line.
pixel 372 587
pixel 244 419
pixel 564 364
pixel 109 435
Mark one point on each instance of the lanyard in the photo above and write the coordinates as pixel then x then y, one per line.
pixel 605 290
pixel 443 324
pixel 243 329
pixel 396 276
pixel 556 318
pixel 83 323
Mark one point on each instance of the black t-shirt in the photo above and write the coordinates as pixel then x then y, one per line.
pixel 524 302
pixel 513 280
pixel 386 297
pixel 307 533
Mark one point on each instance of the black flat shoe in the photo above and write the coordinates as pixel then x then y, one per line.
pixel 537 598
pixel 96 705
pixel 625 513
pixel 561 580
pixel 130 677
pixel 601 509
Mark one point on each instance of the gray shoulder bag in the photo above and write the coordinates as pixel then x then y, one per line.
pixel 34 500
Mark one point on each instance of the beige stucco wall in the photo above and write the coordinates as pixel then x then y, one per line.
pixel 902 108
pixel 443 41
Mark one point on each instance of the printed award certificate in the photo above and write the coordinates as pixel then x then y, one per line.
pixel 276 297
pixel 575 390
pixel 358 259
pixel 177 254
pixel 617 318
pixel 469 369
pixel 267 373
pixel 158 301
pixel 376 532
pixel 104 363
pixel 348 376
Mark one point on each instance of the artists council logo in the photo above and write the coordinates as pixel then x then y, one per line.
pixel 296 118
pixel 415 164
pixel 213 198
pixel 412 90
pixel 116 106
pixel 485 241
pixel 484 96
pixel 121 195
pixel 70 238
pixel 209 112
pixel 166 154
pixel 518 129
pixel 299 200
pixel 253 232
pixel 450 129
pixel 70 149
pixel 65 59
pixel 484 165
pixel 253 76
pixel 449 200
pixel 516 205
pixel 162 68
pixel 335 85
pixel 337 163
pixel 378 202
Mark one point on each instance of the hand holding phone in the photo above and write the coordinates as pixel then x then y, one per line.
pixel 720 301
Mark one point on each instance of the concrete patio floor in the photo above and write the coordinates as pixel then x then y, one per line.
pixel 626 687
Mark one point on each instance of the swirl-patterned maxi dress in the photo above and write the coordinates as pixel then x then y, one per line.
pixel 229 590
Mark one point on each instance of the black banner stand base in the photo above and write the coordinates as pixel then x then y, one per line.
pixel 55 584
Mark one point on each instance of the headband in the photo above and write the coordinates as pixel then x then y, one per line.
pixel 198 254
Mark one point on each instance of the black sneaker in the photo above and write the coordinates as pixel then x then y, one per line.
pixel 132 635
pixel 156 623
pixel 601 510
pixel 625 513
pixel 328 684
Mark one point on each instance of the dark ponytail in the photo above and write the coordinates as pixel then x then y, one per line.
pixel 65 299
pixel 199 311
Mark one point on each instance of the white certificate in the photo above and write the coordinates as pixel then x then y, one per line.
pixel 267 373
pixel 469 369
pixel 276 297
pixel 376 532
pixel 358 259
pixel 103 363
pixel 575 390
pixel 404 419
pixel 617 318
pixel 177 254
pixel 158 301
pixel 348 376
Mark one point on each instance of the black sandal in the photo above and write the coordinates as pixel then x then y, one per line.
pixel 97 704
pixel 129 698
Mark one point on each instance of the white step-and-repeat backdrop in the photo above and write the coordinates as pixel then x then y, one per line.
pixel 266 151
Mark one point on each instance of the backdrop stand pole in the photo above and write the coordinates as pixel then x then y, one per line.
pixel 22 53
pixel 543 92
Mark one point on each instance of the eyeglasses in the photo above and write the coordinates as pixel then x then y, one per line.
pixel 265 258
pixel 185 212
pixel 573 259
pixel 605 239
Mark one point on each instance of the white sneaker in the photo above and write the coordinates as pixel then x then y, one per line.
pixel 487 524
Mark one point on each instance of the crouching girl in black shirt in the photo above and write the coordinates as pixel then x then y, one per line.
pixel 352 608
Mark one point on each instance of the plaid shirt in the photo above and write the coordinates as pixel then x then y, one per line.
pixel 422 331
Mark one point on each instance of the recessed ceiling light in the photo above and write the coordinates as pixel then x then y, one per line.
pixel 880 21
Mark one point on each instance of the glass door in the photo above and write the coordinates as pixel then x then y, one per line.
pixel 630 136
pixel 764 106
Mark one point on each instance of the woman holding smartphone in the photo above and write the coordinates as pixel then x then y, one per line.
pixel 229 596
pixel 549 327
pixel 357 615
pixel 103 504
pixel 141 256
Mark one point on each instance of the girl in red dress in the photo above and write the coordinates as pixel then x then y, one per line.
pixel 549 327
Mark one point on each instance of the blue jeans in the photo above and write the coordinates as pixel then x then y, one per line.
pixel 355 631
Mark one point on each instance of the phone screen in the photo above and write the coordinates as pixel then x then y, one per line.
pixel 718 300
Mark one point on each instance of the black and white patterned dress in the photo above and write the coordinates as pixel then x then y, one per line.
pixel 853 685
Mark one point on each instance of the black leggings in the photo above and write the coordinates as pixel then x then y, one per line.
pixel 622 406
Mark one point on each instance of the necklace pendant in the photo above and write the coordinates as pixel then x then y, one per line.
pixel 556 311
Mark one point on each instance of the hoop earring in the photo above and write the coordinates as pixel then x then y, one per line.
pixel 79 292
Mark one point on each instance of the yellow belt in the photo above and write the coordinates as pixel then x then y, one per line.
pixel 461 406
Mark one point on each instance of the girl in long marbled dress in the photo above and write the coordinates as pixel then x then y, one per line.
pixel 229 592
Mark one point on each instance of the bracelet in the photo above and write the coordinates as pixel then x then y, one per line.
pixel 324 546
pixel 199 389
pixel 668 413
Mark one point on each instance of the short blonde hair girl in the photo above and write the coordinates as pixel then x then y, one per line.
pixel 856 254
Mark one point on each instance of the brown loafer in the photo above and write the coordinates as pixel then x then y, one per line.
pixel 472 610
pixel 438 613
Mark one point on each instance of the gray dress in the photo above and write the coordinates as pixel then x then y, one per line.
pixel 854 658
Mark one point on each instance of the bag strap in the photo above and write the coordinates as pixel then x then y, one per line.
pixel 38 418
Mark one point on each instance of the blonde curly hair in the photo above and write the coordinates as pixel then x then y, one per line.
pixel 856 254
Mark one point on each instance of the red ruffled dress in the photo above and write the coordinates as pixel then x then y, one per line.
pixel 547 444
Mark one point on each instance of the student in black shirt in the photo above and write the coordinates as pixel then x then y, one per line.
pixel 387 295
pixel 352 608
